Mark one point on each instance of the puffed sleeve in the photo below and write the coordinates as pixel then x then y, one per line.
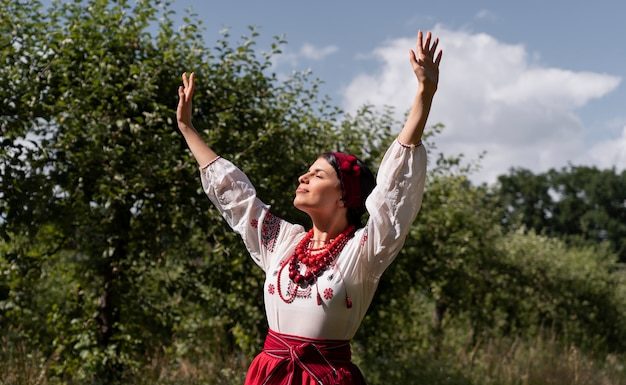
pixel 233 195
pixel 393 205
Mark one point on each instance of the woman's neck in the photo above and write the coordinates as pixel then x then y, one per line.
pixel 325 230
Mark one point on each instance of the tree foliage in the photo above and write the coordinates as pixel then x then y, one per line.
pixel 577 202
pixel 463 279
pixel 99 194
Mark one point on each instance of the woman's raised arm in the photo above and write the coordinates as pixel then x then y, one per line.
pixel 203 154
pixel 426 68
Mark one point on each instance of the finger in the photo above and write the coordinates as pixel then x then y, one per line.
pixel 185 82
pixel 192 84
pixel 419 42
pixel 434 47
pixel 427 44
pixel 438 60
pixel 412 57
pixel 181 97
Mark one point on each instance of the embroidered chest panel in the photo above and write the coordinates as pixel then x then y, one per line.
pixel 329 287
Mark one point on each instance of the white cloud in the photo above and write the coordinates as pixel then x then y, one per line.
pixel 485 14
pixel 492 98
pixel 309 51
pixel 306 52
pixel 612 152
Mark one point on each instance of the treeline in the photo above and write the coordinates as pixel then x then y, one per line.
pixel 464 279
pixel 577 203
pixel 112 260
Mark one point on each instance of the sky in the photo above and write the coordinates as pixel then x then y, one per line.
pixel 532 84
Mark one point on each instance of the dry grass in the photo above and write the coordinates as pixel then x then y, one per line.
pixel 194 370
pixel 21 367
pixel 541 361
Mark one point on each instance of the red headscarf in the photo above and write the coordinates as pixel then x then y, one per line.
pixel 349 175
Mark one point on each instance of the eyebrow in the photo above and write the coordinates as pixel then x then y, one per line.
pixel 318 169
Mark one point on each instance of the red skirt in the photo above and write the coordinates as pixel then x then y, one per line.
pixel 293 360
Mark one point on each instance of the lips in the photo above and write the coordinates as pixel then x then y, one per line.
pixel 301 190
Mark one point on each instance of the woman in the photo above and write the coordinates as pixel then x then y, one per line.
pixel 319 283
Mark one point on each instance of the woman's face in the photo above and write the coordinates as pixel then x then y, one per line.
pixel 319 189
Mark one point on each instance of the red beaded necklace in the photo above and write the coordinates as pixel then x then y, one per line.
pixel 315 264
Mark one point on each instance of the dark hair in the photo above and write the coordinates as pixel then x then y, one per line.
pixel 368 182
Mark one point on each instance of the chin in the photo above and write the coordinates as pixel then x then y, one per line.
pixel 297 203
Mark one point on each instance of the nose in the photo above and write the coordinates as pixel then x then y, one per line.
pixel 304 178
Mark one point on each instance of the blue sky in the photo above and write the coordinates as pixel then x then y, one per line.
pixel 535 84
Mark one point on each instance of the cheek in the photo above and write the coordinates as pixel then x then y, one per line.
pixel 332 193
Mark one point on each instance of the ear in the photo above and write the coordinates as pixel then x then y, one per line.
pixel 341 203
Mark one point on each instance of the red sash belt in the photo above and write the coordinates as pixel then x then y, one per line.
pixel 315 356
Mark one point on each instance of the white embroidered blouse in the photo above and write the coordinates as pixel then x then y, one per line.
pixel 392 207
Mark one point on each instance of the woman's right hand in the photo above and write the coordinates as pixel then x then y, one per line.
pixel 185 94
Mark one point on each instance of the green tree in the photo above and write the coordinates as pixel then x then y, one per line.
pixel 452 251
pixel 576 202
pixel 448 260
pixel 573 290
pixel 100 196
pixel 462 279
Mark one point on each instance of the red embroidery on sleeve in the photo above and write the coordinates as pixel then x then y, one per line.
pixel 269 231
pixel 254 223
pixel 364 237
pixel 328 293
pixel 270 288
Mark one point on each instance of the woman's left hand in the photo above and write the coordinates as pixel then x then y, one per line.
pixel 424 62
